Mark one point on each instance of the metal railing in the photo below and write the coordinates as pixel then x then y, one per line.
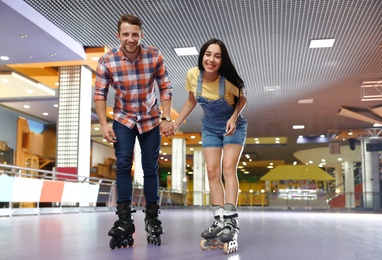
pixel 104 200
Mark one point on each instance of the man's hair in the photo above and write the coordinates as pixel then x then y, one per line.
pixel 131 19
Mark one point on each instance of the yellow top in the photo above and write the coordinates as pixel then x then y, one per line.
pixel 210 91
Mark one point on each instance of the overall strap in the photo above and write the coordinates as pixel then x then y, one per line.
pixel 221 86
pixel 199 85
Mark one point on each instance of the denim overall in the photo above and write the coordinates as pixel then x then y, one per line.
pixel 215 116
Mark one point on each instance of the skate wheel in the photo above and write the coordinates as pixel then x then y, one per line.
pixel 130 242
pixel 112 243
pixel 225 248
pixel 213 247
pixel 158 240
pixel 203 244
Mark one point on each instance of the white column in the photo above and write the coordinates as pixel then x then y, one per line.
pixel 349 185
pixel 199 177
pixel 339 176
pixel 178 166
pixel 74 118
pixel 138 171
pixel 370 176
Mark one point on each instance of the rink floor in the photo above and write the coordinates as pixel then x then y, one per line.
pixel 264 234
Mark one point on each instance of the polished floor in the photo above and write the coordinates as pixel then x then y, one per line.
pixel 264 234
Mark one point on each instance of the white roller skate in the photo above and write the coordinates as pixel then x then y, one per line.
pixel 211 236
pixel 230 230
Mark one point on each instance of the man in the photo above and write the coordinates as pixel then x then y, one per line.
pixel 131 69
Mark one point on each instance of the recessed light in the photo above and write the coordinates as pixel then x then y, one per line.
pixel 321 43
pixel 55 105
pixel 272 88
pixel 305 101
pixel 4 58
pixel 26 106
pixel 298 127
pixel 45 114
pixel 186 51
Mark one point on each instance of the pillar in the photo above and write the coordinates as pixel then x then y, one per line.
pixel 349 184
pixel 74 119
pixel 370 176
pixel 199 177
pixel 178 166
pixel 138 171
pixel 339 176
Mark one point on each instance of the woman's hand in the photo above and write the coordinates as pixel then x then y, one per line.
pixel 231 127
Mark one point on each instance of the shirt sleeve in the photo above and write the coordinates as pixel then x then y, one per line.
pixel 102 81
pixel 162 79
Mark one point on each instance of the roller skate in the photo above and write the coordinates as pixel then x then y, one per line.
pixel 153 224
pixel 211 236
pixel 230 231
pixel 122 231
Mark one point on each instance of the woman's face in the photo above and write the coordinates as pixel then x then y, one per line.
pixel 212 58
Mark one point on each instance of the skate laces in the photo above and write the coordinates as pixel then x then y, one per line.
pixel 231 224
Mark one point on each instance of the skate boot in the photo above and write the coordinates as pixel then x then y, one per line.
pixel 153 224
pixel 122 231
pixel 211 235
pixel 230 230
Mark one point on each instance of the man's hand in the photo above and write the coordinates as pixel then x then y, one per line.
pixel 108 133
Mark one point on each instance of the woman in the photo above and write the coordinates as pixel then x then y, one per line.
pixel 217 87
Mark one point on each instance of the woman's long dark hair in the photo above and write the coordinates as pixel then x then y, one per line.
pixel 227 69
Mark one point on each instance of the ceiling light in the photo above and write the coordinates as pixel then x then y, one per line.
pixel 298 126
pixel 305 101
pixel 272 88
pixel 27 106
pixel 55 105
pixel 23 36
pixel 377 125
pixel 321 43
pixel 4 58
pixel 186 51
pixel 45 114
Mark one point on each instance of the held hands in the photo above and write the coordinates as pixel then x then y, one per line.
pixel 167 129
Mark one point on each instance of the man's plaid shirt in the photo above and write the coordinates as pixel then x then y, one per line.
pixel 134 81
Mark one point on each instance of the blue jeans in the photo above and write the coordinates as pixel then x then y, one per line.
pixel 124 149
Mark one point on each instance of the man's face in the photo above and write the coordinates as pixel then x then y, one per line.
pixel 130 37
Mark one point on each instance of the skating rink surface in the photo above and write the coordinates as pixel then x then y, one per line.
pixel 264 234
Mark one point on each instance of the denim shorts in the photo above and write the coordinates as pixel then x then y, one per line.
pixel 213 133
